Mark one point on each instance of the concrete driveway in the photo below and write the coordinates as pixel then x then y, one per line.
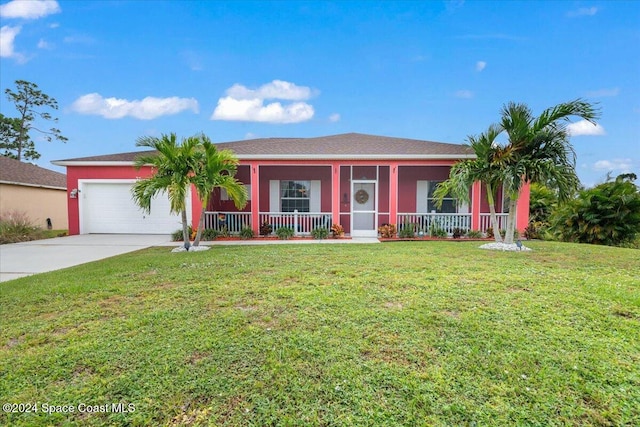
pixel 39 256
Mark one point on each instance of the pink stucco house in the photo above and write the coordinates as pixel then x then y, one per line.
pixel 358 181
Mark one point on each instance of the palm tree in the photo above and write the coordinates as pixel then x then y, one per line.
pixel 539 150
pixel 173 167
pixel 216 169
pixel 484 168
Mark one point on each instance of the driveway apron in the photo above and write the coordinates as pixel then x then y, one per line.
pixel 39 256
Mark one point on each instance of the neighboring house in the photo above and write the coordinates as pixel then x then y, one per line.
pixel 39 193
pixel 358 181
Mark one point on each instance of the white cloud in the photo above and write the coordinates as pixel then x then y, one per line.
pixel 603 92
pixel 250 135
pixel 584 127
pixel 254 110
pixel 583 11
pixel 465 94
pixel 79 38
pixel 244 104
pixel 7 38
pixel 480 65
pixel 145 109
pixel 621 165
pixel 43 44
pixel 32 9
pixel 335 117
pixel 277 89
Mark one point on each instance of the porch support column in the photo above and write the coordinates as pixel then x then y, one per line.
pixel 522 209
pixel 335 193
pixel 476 192
pixel 255 197
pixel 393 193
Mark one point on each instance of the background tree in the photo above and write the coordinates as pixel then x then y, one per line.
pixel 607 214
pixel 15 138
pixel 216 169
pixel 542 202
pixel 173 168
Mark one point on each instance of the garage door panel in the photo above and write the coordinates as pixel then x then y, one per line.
pixel 109 208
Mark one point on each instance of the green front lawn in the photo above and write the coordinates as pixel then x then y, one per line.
pixel 404 334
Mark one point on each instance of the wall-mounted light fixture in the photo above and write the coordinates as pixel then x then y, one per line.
pixel 74 193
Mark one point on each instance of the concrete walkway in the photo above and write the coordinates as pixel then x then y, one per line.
pixel 39 256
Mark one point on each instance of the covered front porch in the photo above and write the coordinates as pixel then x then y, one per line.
pixel 359 195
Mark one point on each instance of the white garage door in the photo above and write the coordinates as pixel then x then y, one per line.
pixel 107 207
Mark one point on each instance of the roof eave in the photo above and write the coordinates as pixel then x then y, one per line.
pixel 290 157
pixel 92 163
pixel 24 184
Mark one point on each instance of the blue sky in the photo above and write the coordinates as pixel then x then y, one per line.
pixel 436 70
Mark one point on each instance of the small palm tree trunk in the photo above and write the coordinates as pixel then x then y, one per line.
pixel 185 230
pixel 511 221
pixel 196 242
pixel 494 219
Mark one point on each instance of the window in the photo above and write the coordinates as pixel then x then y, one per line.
pixel 505 201
pixel 295 195
pixel 225 196
pixel 449 204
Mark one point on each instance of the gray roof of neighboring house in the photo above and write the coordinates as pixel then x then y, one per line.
pixel 348 145
pixel 20 173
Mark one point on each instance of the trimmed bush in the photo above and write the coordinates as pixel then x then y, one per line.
pixel 266 229
pixel 284 233
pixel 320 233
pixel 407 231
pixel 458 232
pixel 387 231
pixel 247 233
pixel 474 234
pixel 210 234
pixel 337 230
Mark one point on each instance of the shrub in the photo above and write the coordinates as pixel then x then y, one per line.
pixel 607 214
pixel 16 227
pixel 436 231
pixel 320 233
pixel 337 230
pixel 210 234
pixel 247 233
pixel 458 232
pixel 474 234
pixel 176 236
pixel 536 230
pixel 266 229
pixel 490 233
pixel 284 233
pixel 387 231
pixel 407 231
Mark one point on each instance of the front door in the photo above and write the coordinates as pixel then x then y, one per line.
pixel 364 209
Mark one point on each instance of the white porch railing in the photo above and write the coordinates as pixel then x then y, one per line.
pixel 232 221
pixel 485 221
pixel 425 221
pixel 300 222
